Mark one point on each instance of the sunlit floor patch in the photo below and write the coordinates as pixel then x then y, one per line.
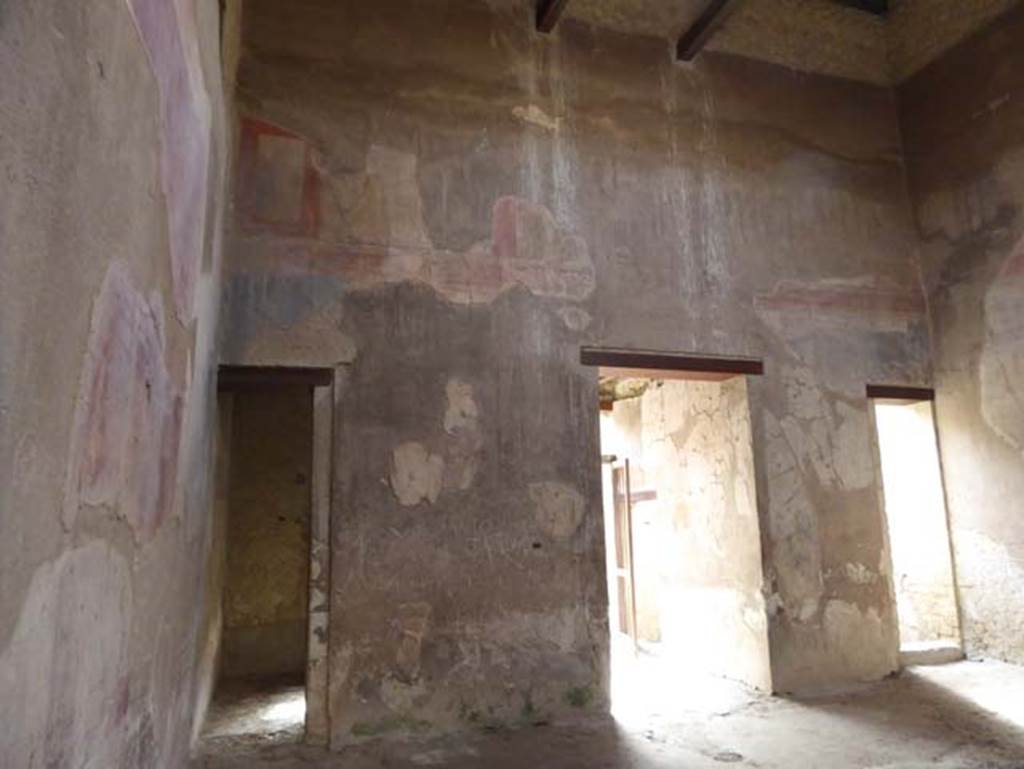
pixel 252 708
pixel 645 686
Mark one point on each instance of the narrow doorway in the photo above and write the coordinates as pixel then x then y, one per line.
pixel 915 512
pixel 687 616
pixel 270 489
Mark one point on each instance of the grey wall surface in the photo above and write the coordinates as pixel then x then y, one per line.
pixel 963 125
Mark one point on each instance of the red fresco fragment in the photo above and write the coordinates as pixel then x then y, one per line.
pixel 251 184
pixel 864 301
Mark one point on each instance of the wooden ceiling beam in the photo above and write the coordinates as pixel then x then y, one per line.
pixel 548 13
pixel 704 28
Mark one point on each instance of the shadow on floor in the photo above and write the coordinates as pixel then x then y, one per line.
pixel 968 705
pixel 922 720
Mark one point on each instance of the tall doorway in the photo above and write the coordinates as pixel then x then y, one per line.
pixel 915 513
pixel 273 495
pixel 687 615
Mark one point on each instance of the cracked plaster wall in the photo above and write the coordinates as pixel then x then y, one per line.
pixel 114 156
pixel 448 226
pixel 962 118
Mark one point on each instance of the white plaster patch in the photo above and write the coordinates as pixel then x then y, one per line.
pixel 858 640
pixel 416 474
pixel 808 608
pixel 836 447
pixel 461 422
pixel 852 457
pixel 534 115
pixel 991 580
pixel 558 507
pixel 462 412
pixel 398 696
pixel 860 574
pixel 793 522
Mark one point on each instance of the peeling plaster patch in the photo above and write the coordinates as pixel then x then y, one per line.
pixel 860 574
pixel 185 120
pixel 416 474
pixel 574 318
pixel 808 608
pixel 399 696
pixel 990 579
pixel 559 508
pixel 461 423
pixel 463 460
pixel 124 446
pixel 1002 356
pixel 793 522
pixel 856 637
pixel 413 620
pixel 462 410
pixel 534 115
pixel 832 436
pixel 62 671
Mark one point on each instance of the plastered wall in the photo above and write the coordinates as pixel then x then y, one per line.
pixel 114 155
pixel 451 224
pixel 962 118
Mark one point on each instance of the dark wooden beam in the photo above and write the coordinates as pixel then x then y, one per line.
pixel 653 362
pixel 548 13
pixel 900 393
pixel 704 28
pixel 232 378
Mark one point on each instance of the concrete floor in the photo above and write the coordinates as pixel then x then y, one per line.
pixel 968 715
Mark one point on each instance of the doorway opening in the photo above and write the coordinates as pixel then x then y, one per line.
pixel 687 614
pixel 918 530
pixel 272 510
